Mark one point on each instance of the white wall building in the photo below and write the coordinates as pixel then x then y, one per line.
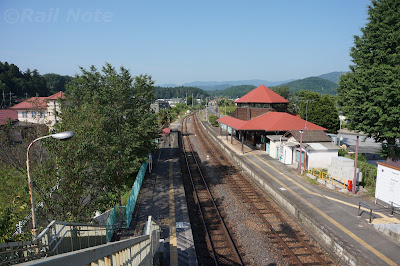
pixel 39 110
pixel 388 183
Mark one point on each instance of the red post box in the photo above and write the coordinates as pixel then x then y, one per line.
pixel 349 185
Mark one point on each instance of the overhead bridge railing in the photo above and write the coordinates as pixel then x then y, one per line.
pixel 56 238
pixel 62 237
pixel 139 250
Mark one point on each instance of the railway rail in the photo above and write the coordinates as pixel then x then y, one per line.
pixel 292 243
pixel 219 241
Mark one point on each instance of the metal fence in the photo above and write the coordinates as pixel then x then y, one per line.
pixel 56 238
pixel 134 251
pixel 117 217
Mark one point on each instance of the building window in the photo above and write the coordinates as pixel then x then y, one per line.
pixel 24 115
pixel 33 114
pixel 41 114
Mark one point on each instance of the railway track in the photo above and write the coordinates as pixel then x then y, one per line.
pixel 220 245
pixel 292 243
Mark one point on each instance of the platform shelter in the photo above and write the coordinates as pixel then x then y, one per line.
pixel 259 114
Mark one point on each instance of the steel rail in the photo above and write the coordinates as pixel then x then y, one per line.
pixel 184 128
pixel 207 143
pixel 227 234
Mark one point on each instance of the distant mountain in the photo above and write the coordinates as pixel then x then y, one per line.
pixel 221 85
pixel 333 76
pixel 316 84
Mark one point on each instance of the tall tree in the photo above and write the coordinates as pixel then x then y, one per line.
pixel 317 109
pixel 115 131
pixel 369 95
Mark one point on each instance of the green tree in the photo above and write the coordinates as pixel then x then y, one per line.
pixel 317 109
pixel 115 131
pixel 369 95
pixel 283 91
pixel 213 120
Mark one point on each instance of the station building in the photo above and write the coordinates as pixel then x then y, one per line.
pixel 262 121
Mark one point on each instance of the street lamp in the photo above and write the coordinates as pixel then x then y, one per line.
pixel 61 136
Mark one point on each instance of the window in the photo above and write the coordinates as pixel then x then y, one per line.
pixel 41 114
pixel 33 114
pixel 24 115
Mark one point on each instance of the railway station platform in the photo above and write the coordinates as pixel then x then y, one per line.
pixel 162 195
pixel 329 215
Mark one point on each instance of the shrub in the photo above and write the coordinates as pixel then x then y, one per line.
pixel 213 120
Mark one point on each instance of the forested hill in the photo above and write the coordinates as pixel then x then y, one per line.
pixel 27 84
pixel 233 91
pixel 332 76
pixel 316 84
pixel 178 92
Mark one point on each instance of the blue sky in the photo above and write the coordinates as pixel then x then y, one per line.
pixel 183 41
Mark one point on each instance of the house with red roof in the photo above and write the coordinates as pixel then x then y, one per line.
pixel 39 110
pixel 261 119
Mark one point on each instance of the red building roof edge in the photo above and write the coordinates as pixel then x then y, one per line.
pixel 38 102
pixel 271 121
pixel 393 165
pixel 232 122
pixel 261 94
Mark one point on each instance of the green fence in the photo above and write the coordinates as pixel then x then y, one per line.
pixel 116 218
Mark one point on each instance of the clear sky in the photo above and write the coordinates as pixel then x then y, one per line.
pixel 183 41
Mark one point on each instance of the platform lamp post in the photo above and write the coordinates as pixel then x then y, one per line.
pixel 61 136
pixel 301 145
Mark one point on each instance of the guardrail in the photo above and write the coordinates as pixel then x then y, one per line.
pixel 57 238
pixel 134 251
pixel 333 180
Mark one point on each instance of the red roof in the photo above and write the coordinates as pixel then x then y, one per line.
pixel 232 122
pixel 32 103
pixel 271 121
pixel 6 114
pixel 38 102
pixel 262 94
pixel 56 96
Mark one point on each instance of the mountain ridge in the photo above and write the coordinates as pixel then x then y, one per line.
pixel 221 85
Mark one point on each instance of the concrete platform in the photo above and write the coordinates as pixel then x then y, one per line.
pixel 331 216
pixel 162 196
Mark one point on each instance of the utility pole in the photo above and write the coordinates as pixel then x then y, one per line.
pixel 10 97
pixel 3 103
pixel 186 99
pixel 192 100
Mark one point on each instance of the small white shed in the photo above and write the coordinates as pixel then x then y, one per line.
pixel 388 183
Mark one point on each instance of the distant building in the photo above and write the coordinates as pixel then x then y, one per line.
pixel 40 110
pixel 159 105
pixel 174 101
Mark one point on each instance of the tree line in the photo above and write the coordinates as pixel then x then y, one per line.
pixel 16 84
pixel 179 92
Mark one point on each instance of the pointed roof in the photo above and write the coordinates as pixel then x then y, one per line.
pixel 262 94
pixel 271 121
pixel 56 96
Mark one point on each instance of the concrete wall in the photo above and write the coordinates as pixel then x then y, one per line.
pixel 320 159
pixel 344 254
pixel 344 168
